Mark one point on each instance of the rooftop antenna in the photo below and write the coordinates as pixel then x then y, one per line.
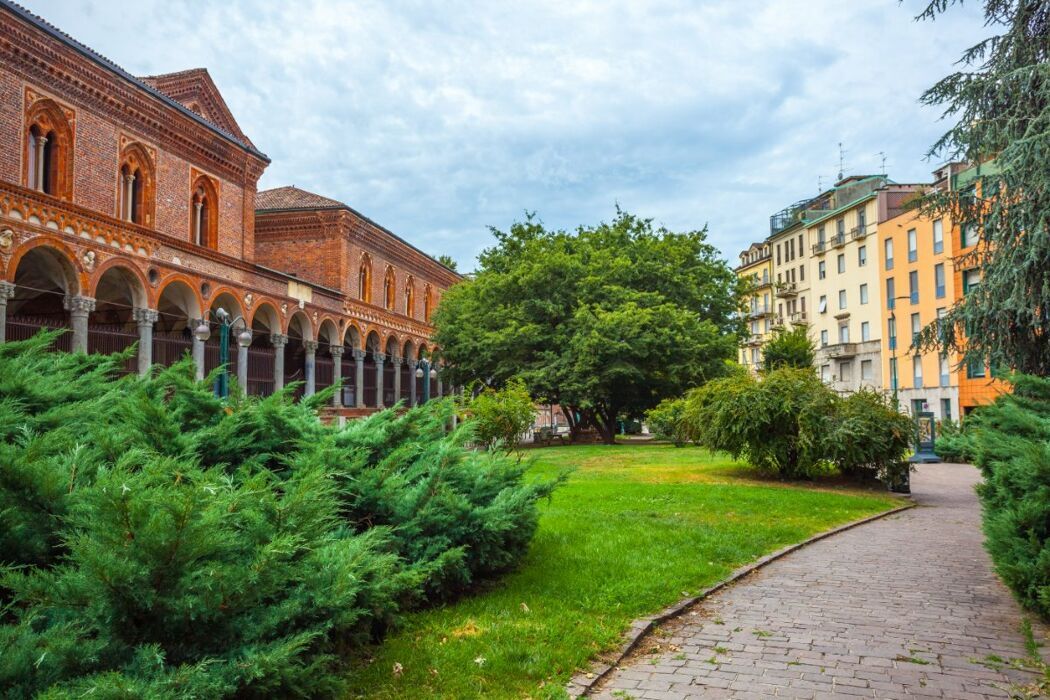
pixel 842 159
pixel 882 155
pixel 820 184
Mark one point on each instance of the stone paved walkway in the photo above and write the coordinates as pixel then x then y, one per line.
pixel 906 606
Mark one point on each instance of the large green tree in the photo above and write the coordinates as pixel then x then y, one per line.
pixel 606 321
pixel 1000 101
pixel 789 348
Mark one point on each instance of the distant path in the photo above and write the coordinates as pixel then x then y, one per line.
pixel 854 615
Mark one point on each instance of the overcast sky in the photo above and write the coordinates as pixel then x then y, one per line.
pixel 438 119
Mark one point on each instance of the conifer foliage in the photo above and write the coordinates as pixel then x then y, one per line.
pixel 157 542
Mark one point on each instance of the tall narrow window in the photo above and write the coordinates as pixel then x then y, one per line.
pixel 389 289
pixel 913 246
pixel 204 214
pixel 410 297
pixel 938 279
pixel 913 286
pixel 888 253
pixel 938 236
pixel 48 148
pixel 916 363
pixel 364 280
pixel 916 327
pixel 135 188
pixel 891 294
pixel 427 303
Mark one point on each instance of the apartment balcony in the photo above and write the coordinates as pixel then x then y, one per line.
pixel 786 290
pixel 819 247
pixel 838 240
pixel 754 339
pixel 799 318
pixel 841 351
pixel 778 322
pixel 859 232
pixel 759 313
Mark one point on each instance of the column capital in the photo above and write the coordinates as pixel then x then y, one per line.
pixel 310 346
pixel 145 316
pixel 78 304
pixel 359 355
pixel 278 340
pixel 396 359
pixel 379 358
pixel 412 363
pixel 336 350
pixel 7 290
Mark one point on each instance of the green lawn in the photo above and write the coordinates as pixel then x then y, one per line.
pixel 635 528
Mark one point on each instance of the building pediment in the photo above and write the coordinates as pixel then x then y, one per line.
pixel 195 90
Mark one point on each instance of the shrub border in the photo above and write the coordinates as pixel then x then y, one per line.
pixel 583 683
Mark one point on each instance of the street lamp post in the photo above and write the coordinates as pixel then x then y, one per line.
pixel 424 368
pixel 244 339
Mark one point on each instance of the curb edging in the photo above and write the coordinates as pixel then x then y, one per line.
pixel 582 683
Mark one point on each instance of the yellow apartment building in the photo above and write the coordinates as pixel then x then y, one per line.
pixel 756 265
pixel 918 286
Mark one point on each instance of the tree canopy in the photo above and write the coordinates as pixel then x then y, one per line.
pixel 1000 99
pixel 789 348
pixel 606 321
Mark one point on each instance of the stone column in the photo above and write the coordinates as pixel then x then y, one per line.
pixel 79 307
pixel 279 341
pixel 337 373
pixel 242 366
pixel 129 198
pixel 440 389
pixel 396 361
pixel 40 163
pixel 411 382
pixel 198 350
pixel 359 378
pixel 7 291
pixel 379 378
pixel 145 318
pixel 311 367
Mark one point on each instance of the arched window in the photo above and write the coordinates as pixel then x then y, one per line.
pixel 49 150
pixel 204 213
pixel 364 280
pixel 135 186
pixel 410 297
pixel 390 289
pixel 427 304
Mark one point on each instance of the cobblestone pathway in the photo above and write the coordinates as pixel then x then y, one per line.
pixel 906 606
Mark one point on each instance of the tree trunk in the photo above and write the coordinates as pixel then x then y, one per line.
pixel 574 425
pixel 605 422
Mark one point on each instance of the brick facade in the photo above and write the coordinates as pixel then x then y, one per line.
pixel 300 267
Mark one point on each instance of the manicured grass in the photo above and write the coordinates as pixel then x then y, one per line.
pixel 634 529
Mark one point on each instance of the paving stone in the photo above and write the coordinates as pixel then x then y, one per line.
pixel 846 616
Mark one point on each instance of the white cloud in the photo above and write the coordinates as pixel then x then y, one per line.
pixel 440 119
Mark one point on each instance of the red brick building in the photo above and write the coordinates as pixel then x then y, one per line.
pixel 129 213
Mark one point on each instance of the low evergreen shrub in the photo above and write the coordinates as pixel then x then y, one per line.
pixel 158 542
pixel 1010 439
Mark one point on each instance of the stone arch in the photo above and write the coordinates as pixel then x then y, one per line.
pixel 45 279
pixel 178 303
pixel 428 303
pixel 373 343
pixel 136 185
pixel 130 274
pixel 328 331
pixel 118 290
pixel 300 326
pixel 265 317
pixel 48 164
pixel 353 337
pixel 408 350
pixel 392 345
pixel 62 259
pixel 227 299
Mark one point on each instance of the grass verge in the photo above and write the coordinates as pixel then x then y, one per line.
pixel 635 528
